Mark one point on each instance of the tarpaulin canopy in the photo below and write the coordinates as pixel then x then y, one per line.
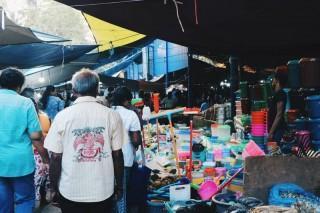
pixel 253 30
pixel 59 74
pixel 58 19
pixel 42 54
pixel 110 36
pixel 10 33
pixel 55 75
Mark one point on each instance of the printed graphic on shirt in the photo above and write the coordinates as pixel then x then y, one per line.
pixel 89 144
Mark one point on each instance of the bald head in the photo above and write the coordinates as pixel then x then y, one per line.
pixel 85 83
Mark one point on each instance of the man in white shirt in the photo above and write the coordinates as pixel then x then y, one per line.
pixel 121 98
pixel 86 166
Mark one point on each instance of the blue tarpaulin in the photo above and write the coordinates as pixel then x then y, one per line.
pixel 40 54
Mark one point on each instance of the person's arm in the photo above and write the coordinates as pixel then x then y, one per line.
pixel 118 165
pixel 35 133
pixel 135 138
pixel 277 120
pixel 38 144
pixel 53 143
pixel 135 131
pixel 117 141
pixel 55 170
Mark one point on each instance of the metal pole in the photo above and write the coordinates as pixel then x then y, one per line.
pixel 189 80
pixel 234 82
pixel 167 67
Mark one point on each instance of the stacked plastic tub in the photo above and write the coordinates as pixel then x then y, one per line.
pixel 259 128
pixel 313 108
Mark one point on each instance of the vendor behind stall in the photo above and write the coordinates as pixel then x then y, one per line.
pixel 276 121
pixel 169 102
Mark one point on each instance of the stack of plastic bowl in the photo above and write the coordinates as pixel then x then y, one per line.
pixel 313 108
pixel 244 89
pixel 238 108
pixel 220 114
pixel 245 105
pixel 220 131
pixel 259 128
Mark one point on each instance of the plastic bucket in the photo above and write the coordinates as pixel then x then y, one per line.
pixel 294 74
pixel 314 127
pixel 219 202
pixel 300 124
pixel 313 106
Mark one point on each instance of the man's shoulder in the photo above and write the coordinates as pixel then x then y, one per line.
pixel 27 102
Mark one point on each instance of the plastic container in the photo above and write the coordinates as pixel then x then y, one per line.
pixel 226 152
pixel 300 124
pixel 243 89
pixel 219 201
pixel 183 155
pixel 156 102
pixel 259 105
pixel 310 72
pixel 209 172
pixel 313 106
pixel 220 131
pixel 221 171
pixel 207 190
pixel 209 155
pixel 258 139
pixel 314 127
pixel 293 74
pixel 199 156
pixel 303 139
pixel 245 105
pixel 156 207
pixel 252 149
pixel 217 153
pixel 255 92
pixel 258 129
pixel 265 90
pixel 297 100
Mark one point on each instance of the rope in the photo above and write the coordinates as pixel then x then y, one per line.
pixel 106 3
pixel 196 11
pixel 62 62
pixel 178 16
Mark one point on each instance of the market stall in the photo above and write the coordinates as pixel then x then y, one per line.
pixel 205 161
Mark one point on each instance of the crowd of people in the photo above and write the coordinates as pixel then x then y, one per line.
pixel 79 157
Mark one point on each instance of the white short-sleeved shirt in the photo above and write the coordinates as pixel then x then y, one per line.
pixel 86 133
pixel 131 122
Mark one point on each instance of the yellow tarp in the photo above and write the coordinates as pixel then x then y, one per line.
pixel 105 33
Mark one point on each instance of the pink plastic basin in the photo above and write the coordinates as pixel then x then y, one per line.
pixel 207 190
